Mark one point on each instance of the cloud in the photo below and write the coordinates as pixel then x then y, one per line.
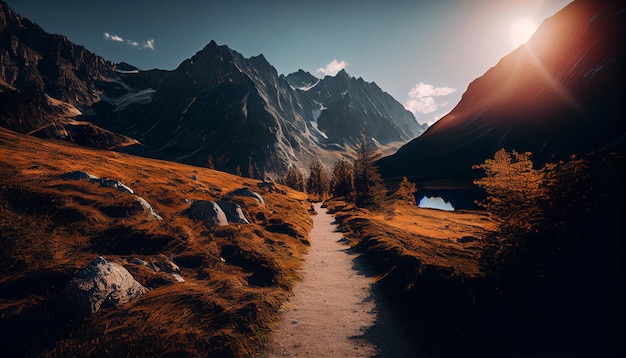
pixel 332 68
pixel 148 44
pixel 422 98
pixel 115 38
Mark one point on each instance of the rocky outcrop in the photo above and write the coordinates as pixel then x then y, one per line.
pixel 101 284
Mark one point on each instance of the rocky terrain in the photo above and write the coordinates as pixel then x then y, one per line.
pixel 109 254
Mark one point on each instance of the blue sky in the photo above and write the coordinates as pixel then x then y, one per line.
pixel 424 53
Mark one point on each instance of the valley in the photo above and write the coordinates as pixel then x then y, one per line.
pixel 219 208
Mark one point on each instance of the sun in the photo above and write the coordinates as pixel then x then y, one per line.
pixel 521 31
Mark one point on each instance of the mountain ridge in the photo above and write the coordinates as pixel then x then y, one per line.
pixel 559 94
pixel 216 107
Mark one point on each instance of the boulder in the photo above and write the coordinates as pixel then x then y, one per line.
pixel 208 212
pixel 233 212
pixel 102 284
pixel 247 192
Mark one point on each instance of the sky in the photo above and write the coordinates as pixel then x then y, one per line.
pixel 423 53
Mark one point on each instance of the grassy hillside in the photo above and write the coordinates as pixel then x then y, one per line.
pixel 235 277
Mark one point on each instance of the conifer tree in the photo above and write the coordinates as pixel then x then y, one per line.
pixel 406 191
pixel 295 179
pixel 368 184
pixel 342 179
pixel 319 180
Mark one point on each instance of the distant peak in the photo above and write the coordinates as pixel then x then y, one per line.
pixel 342 73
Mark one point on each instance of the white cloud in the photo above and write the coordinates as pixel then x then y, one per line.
pixel 115 38
pixel 149 44
pixel 332 68
pixel 422 98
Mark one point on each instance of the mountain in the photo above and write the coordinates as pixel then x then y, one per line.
pixel 217 107
pixel 561 93
pixel 241 113
pixel 347 106
pixel 301 80
pixel 45 78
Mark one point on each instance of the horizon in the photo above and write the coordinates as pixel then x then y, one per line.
pixel 423 54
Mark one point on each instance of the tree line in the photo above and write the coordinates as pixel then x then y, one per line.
pixel 356 180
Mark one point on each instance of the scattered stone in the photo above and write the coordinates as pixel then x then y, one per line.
pixel 104 182
pixel 162 264
pixel 102 284
pixel 78 175
pixel 112 183
pixel 136 261
pixel 233 212
pixel 148 207
pixel 208 212
pixel 247 192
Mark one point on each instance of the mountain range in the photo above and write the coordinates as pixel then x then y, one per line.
pixel 561 93
pixel 217 107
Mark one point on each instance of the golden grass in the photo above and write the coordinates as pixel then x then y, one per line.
pixel 450 240
pixel 236 277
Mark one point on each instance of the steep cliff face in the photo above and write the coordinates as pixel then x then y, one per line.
pixel 560 93
pixel 45 79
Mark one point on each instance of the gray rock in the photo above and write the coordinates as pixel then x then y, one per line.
pixel 161 263
pixel 78 175
pixel 247 192
pixel 233 212
pixel 147 207
pixel 208 212
pixel 112 183
pixel 102 284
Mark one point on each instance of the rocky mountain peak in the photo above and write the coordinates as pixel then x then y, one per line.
pixel 301 80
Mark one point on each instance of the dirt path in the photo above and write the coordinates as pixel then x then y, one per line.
pixel 334 312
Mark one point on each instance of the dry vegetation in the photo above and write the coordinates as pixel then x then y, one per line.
pixel 236 277
pixel 443 239
pixel 427 262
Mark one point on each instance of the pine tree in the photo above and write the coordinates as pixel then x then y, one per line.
pixel 319 180
pixel 368 184
pixel 295 179
pixel 406 191
pixel 342 179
